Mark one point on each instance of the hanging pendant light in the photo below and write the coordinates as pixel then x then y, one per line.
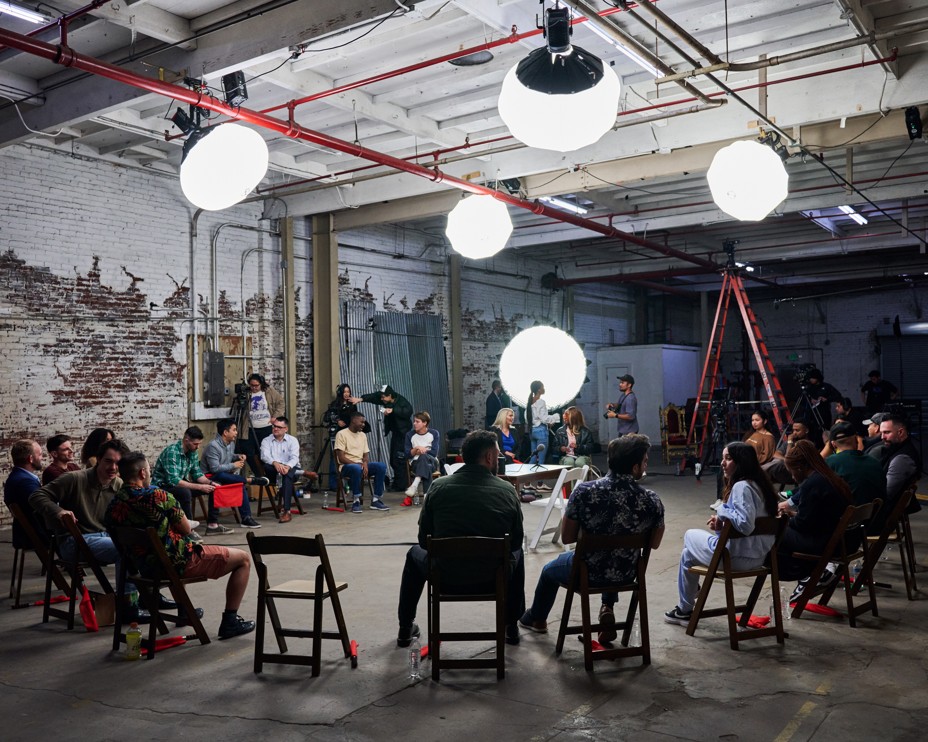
pixel 748 180
pixel 222 165
pixel 560 97
pixel 478 227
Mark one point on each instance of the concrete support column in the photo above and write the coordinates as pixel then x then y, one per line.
pixel 289 291
pixel 457 345
pixel 326 366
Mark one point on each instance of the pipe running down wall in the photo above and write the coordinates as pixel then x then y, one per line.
pixel 67 57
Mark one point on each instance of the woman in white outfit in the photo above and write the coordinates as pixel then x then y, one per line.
pixel 748 495
pixel 538 419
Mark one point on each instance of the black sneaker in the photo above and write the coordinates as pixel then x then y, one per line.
pixel 183 620
pixel 797 591
pixel 235 627
pixel 406 635
pixel 824 582
pixel 259 481
pixel 250 522
pixel 607 631
pixel 678 617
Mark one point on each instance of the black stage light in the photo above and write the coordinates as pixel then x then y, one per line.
pixel 913 122
pixel 233 85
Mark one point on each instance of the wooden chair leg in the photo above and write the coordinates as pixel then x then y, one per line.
pixel 259 626
pixel 317 631
pixel 587 631
pixel 565 621
pixel 434 645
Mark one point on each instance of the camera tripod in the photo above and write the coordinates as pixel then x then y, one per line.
pixel 328 448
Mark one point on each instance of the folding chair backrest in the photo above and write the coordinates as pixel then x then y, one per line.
pixel 485 553
pixel 591 542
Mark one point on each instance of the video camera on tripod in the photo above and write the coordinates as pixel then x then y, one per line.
pixel 802 375
pixel 720 406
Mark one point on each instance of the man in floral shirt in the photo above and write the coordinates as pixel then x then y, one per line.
pixel 612 506
pixel 140 505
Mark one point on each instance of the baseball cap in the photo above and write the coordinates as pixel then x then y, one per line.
pixel 627 377
pixel 840 431
pixel 877 418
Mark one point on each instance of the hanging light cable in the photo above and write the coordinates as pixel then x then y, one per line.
pixel 560 97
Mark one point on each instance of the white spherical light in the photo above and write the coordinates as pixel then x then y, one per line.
pixel 223 167
pixel 560 122
pixel 548 355
pixel 479 227
pixel 748 180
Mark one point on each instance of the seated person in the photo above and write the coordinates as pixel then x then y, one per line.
pixel 845 410
pixel 776 468
pixel 97 437
pixel 422 444
pixel 354 462
pixel 574 439
pixel 82 497
pixel 281 452
pixel 760 438
pixel 821 499
pixel 27 459
pixel 138 504
pixel 225 466
pixel 507 436
pixel 863 474
pixel 474 502
pixel 901 460
pixel 873 441
pixel 61 451
pixel 615 505
pixel 748 495
pixel 178 471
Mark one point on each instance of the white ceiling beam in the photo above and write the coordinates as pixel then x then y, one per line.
pixel 144 19
pixel 862 20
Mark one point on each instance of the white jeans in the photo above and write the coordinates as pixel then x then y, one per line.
pixel 696 550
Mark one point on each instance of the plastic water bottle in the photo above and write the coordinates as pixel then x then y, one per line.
pixel 325 499
pixel 855 569
pixel 415 497
pixel 415 660
pixel 347 491
pixel 784 603
pixel 635 638
pixel 134 642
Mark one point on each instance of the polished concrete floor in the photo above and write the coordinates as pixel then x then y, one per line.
pixel 829 682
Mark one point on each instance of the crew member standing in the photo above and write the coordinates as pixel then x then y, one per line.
pixel 625 411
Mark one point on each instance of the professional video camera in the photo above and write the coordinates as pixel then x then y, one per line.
pixel 330 419
pixel 241 393
pixel 802 375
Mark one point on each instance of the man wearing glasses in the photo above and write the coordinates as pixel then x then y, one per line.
pixel 281 451
pixel 61 452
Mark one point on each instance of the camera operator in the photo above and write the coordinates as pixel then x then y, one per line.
pixel 625 411
pixel 819 396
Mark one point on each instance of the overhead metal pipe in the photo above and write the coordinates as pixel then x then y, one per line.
pixel 69 58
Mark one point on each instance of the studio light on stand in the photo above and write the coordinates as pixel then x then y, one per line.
pixel 560 97
pixel 478 227
pixel 549 355
pixel 748 179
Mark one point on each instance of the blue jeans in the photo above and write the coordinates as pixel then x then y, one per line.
pixel 552 575
pixel 102 548
pixel 375 469
pixel 539 437
pixel 225 477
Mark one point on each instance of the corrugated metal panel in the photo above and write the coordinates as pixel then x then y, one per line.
pixel 405 351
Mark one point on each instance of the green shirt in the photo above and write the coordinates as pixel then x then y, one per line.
pixel 174 466
pixel 471 502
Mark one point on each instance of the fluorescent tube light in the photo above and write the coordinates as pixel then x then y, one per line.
pixel 22 13
pixel 853 214
pixel 564 204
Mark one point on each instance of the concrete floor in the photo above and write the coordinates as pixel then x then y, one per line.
pixel 828 682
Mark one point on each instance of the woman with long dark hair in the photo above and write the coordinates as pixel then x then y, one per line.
pixel 97 437
pixel 538 419
pixel 760 438
pixel 748 495
pixel 818 504
pixel 574 439
pixel 265 404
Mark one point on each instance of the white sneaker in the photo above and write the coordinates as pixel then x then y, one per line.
pixel 411 490
pixel 193 524
pixel 716 505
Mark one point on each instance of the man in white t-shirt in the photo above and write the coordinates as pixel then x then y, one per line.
pixel 422 453
pixel 353 455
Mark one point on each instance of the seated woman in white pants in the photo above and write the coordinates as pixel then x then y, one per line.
pixel 748 495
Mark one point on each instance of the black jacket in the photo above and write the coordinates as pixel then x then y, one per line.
pixel 400 420
pixel 584 445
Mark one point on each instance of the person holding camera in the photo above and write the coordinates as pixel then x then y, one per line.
pixel 625 411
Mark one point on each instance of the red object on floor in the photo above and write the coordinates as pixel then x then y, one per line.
pixel 424 652
pixel 335 510
pixel 167 643
pixel 54 599
pixel 354 653
pixel 87 613
pixel 756 622
pixel 407 502
pixel 822 610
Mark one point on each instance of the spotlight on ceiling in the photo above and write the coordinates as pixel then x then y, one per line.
pixel 24 14
pixel 748 179
pixel 221 165
pixel 233 87
pixel 478 227
pixel 913 121
pixel 560 97
pixel 518 366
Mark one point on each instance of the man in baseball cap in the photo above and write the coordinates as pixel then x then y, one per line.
pixel 625 411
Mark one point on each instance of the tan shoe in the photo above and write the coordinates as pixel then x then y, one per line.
pixel 286 518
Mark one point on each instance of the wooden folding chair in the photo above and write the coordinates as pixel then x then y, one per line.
pixel 853 523
pixel 495 553
pixel 39 547
pixel 275 499
pixel 75 570
pixel 323 587
pixel 579 583
pixel 568 478
pixel 896 530
pixel 720 566
pixel 134 544
pixel 341 499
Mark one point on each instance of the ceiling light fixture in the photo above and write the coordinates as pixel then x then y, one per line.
pixel 561 203
pixel 479 227
pixel 748 179
pixel 518 366
pixel 860 219
pixel 560 97
pixel 22 13
pixel 630 53
pixel 221 165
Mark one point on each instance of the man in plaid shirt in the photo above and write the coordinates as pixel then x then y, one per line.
pixel 178 471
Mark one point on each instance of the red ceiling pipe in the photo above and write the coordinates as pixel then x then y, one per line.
pixel 628 277
pixel 65 19
pixel 69 58
pixel 513 38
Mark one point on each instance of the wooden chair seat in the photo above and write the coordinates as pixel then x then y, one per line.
pixel 854 521
pixel 579 583
pixel 137 542
pixel 323 587
pixel 720 567
pixel 497 553
pixel 341 499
